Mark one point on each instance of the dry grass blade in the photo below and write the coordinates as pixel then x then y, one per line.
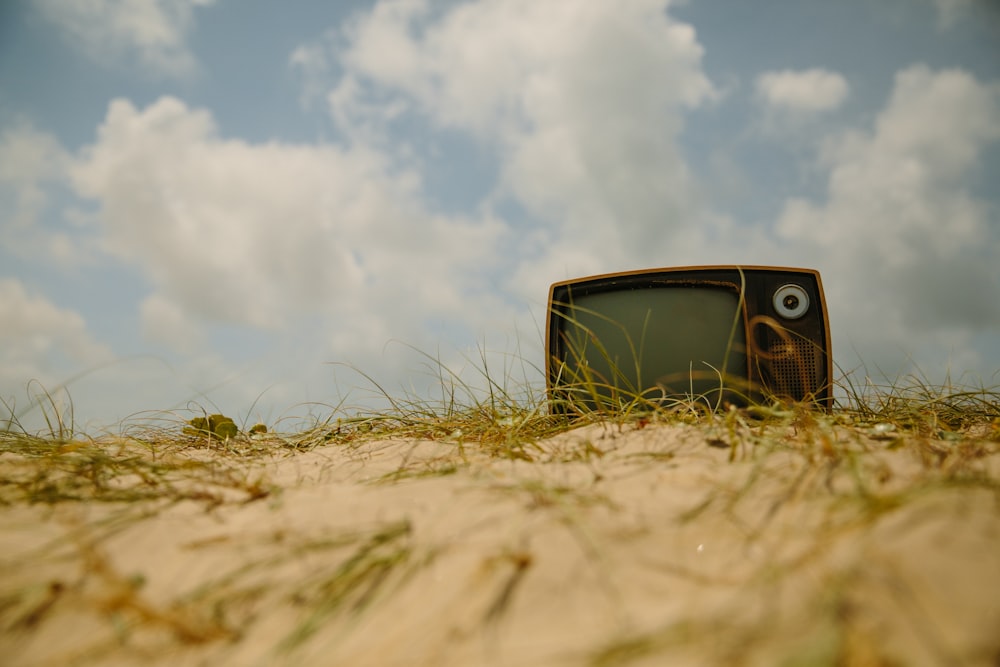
pixel 353 584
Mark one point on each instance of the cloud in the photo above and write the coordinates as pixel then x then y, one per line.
pixel 166 323
pixel 802 91
pixel 29 159
pixel 310 62
pixel 258 235
pixel 951 12
pixel 41 341
pixel 912 250
pixel 34 170
pixel 271 234
pixel 581 102
pixel 153 31
pixel 335 249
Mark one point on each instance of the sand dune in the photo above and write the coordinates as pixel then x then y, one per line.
pixel 606 545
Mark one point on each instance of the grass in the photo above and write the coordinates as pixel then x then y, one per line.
pixel 831 463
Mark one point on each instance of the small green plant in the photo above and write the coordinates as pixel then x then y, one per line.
pixel 219 427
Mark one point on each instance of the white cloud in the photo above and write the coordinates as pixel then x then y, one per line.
pixel 33 170
pixel 262 234
pixel 166 323
pixel 313 67
pixel 912 252
pixel 28 160
pixel 583 103
pixel 154 31
pixel 802 91
pixel 41 341
pixel 951 12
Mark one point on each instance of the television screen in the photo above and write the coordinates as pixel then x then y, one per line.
pixel 713 334
pixel 676 340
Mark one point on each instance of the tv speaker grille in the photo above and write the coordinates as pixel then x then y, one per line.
pixel 793 365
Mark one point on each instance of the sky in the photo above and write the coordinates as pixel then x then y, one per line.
pixel 271 209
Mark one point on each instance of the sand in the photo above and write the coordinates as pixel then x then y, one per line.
pixel 612 545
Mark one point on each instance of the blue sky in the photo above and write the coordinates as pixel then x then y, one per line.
pixel 231 203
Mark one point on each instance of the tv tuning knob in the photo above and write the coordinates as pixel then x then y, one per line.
pixel 790 301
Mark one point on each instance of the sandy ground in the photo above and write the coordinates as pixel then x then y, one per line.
pixel 612 546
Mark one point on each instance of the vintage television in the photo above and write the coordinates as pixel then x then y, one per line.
pixel 715 335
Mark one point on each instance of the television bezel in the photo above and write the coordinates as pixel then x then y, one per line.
pixel 823 396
